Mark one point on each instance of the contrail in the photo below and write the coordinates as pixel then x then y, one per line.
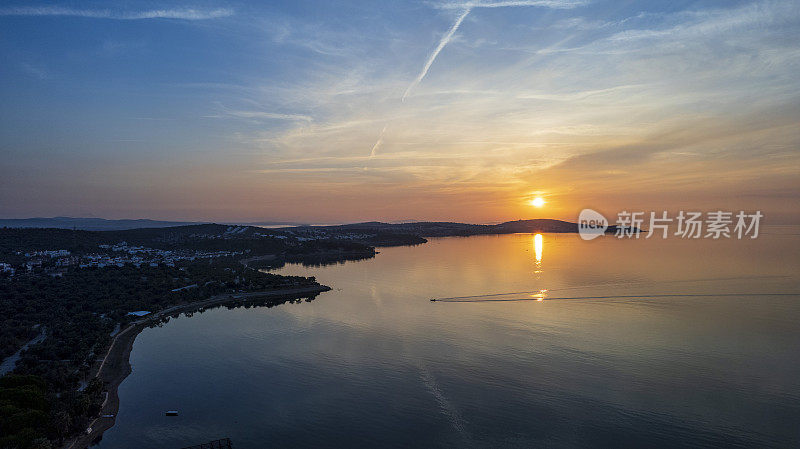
pixel 466 8
pixel 445 39
pixel 378 143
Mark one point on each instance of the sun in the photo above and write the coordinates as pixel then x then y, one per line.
pixel 537 202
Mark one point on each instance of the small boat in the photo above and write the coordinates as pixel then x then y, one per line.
pixel 171 413
pixel 433 299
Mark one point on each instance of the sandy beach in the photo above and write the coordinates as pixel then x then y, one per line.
pixel 115 366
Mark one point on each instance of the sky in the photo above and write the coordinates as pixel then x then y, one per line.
pixel 330 112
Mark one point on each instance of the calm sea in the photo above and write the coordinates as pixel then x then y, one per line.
pixel 635 343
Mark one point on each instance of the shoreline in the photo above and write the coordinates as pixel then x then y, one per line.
pixel 116 366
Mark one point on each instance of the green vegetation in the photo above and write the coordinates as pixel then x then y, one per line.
pixel 80 310
pixel 52 393
pixel 34 416
pixel 24 412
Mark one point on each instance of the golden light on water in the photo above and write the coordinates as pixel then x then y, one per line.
pixel 538 243
pixel 540 296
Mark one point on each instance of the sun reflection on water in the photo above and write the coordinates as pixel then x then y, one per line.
pixel 538 243
pixel 540 296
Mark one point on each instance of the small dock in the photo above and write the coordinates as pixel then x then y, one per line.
pixel 224 443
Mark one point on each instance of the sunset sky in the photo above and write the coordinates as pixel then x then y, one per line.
pixel 345 111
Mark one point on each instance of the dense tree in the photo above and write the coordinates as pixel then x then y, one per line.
pixel 77 311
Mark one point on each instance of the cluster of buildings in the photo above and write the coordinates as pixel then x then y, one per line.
pixel 57 258
pixel 118 255
pixel 289 236
pixel 50 253
pixel 230 232
pixel 141 255
pixel 7 268
pixel 306 234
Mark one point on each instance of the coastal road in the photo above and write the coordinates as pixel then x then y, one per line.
pixel 115 365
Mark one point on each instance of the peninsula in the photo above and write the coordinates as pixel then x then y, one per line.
pixel 94 291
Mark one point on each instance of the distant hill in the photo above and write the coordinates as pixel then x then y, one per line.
pixel 444 228
pixel 88 224
pixel 101 224
pixel 420 228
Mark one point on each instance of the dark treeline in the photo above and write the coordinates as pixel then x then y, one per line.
pixel 80 310
pixel 14 242
pixel 47 397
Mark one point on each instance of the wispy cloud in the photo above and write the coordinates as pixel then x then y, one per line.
pixel 256 115
pixel 182 14
pixel 268 115
pixel 35 71
pixel 466 8
pixel 558 4
pixel 540 97
pixel 704 23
